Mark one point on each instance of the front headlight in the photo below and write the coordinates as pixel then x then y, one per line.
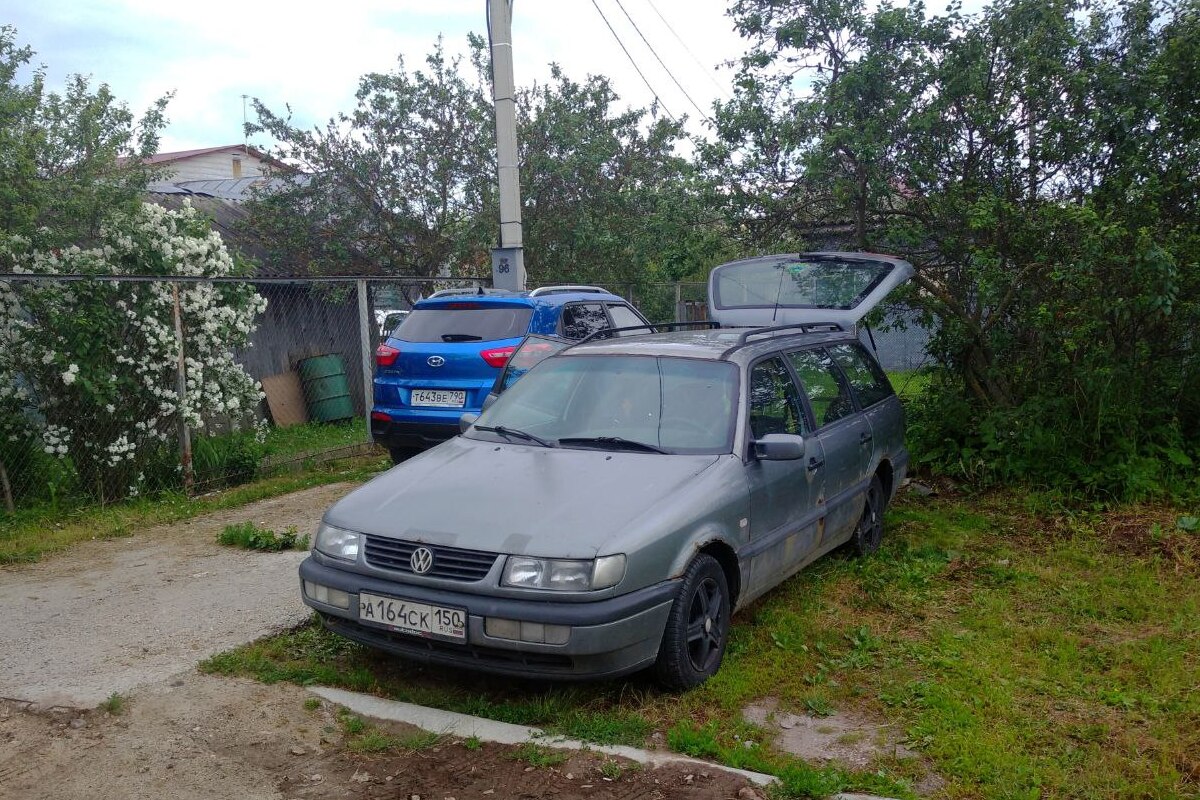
pixel 337 543
pixel 563 575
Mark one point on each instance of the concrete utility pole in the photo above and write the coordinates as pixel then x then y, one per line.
pixel 508 260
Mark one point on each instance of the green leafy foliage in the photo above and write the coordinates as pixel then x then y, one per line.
pixel 249 536
pixel 1036 163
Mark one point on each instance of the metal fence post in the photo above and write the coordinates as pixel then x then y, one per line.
pixel 366 351
pixel 678 302
pixel 185 436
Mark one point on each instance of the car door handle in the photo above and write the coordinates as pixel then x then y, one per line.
pixel 864 438
pixel 815 464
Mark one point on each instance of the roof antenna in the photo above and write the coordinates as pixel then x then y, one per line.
pixel 245 133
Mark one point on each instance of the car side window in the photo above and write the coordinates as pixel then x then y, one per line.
pixel 827 391
pixel 864 373
pixel 624 317
pixel 582 319
pixel 774 400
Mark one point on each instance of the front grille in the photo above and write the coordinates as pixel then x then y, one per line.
pixel 451 563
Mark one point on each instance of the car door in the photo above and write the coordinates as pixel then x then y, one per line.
pixel 784 495
pixel 845 438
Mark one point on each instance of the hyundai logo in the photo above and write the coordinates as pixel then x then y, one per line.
pixel 435 361
pixel 421 560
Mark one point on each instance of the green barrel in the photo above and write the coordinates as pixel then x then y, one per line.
pixel 326 391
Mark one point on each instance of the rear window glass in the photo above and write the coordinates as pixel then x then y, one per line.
pixel 794 283
pixel 479 324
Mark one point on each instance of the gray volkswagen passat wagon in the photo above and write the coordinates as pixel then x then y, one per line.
pixel 611 509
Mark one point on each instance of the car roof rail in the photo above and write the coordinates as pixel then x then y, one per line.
pixel 797 327
pixel 649 327
pixel 566 288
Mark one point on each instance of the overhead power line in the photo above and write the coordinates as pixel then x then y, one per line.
pixel 638 69
pixel 707 70
pixel 666 69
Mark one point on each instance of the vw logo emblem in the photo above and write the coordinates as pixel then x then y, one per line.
pixel 421 560
pixel 435 361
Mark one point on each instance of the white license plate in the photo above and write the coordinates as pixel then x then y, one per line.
pixel 406 616
pixel 442 398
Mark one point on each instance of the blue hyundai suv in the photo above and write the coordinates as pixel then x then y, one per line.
pixel 443 359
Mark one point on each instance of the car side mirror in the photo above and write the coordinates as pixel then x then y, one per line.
pixel 489 401
pixel 466 421
pixel 779 447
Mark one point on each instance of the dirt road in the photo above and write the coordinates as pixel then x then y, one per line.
pixel 202 737
pixel 112 615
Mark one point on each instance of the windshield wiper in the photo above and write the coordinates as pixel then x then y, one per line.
pixel 615 442
pixel 515 434
pixel 461 337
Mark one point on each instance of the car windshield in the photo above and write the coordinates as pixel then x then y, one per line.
pixel 464 322
pixel 629 403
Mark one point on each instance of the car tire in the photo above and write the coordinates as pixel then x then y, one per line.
pixel 697 629
pixel 399 454
pixel 868 533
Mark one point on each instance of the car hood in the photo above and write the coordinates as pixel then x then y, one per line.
pixel 515 499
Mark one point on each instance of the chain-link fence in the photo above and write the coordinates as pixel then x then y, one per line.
pixel 113 386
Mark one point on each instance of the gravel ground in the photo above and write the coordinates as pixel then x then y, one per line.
pixel 109 616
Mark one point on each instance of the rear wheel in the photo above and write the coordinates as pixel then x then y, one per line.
pixel 698 627
pixel 399 454
pixel 868 534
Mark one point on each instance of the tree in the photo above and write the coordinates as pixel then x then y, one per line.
pixel 394 188
pixel 67 159
pixel 1038 166
pixel 608 199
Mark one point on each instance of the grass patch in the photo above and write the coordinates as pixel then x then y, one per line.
pixel 30 534
pixel 249 536
pixel 312 703
pixel 115 704
pixel 1018 653
pixel 538 755
pixel 311 438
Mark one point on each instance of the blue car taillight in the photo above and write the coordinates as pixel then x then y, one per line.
pixel 386 355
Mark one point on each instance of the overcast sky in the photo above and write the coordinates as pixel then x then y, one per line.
pixel 311 55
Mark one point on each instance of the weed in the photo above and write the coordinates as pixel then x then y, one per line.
pixel 611 769
pixel 249 536
pixel 538 756
pixel 352 724
pixel 373 741
pixel 312 703
pixel 473 743
pixel 115 704
pixel 819 706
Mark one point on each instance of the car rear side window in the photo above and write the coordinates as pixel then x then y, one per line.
pixel 580 320
pixel 774 401
pixel 464 322
pixel 624 317
pixel 827 391
pixel 864 373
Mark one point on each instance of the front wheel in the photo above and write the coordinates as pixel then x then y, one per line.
pixel 868 534
pixel 698 627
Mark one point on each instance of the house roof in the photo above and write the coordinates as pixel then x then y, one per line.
pixel 226 217
pixel 182 155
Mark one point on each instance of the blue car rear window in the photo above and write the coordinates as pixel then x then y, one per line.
pixel 481 323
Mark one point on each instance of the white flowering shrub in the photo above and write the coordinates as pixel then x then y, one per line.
pixel 88 368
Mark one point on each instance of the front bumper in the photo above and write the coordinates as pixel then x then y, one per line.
pixel 607 638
